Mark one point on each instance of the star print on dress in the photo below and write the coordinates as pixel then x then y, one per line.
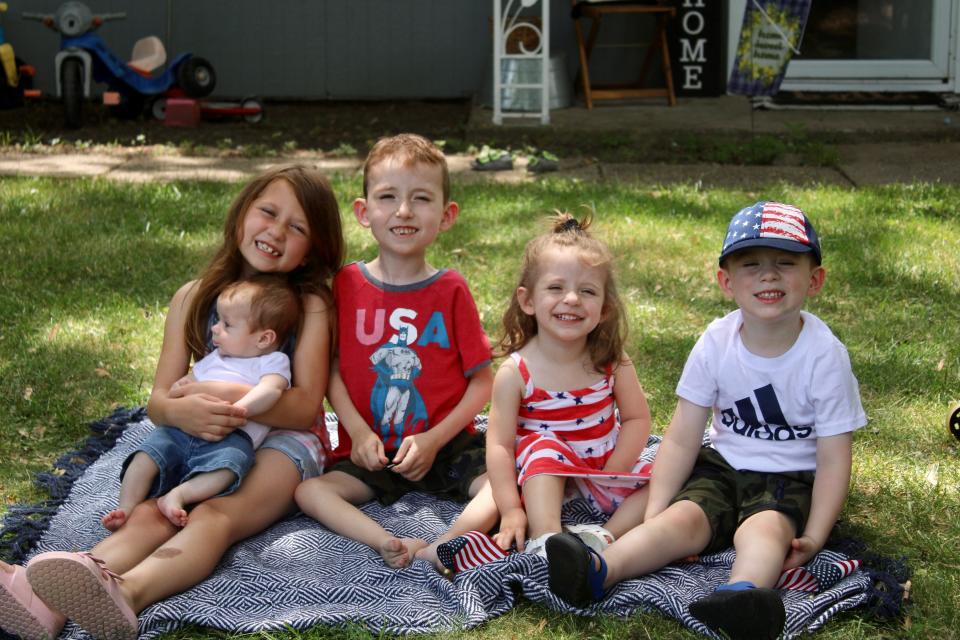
pixel 572 433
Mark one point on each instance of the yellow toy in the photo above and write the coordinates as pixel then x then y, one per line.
pixel 16 76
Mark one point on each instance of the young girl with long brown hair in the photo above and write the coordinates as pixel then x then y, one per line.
pixel 285 221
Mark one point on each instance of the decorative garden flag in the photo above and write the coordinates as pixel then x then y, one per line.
pixel 771 34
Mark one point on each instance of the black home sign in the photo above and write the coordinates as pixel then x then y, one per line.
pixel 696 54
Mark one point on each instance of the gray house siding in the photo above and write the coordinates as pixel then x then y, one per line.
pixel 326 49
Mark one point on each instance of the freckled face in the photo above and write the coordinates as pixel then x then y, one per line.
pixel 275 234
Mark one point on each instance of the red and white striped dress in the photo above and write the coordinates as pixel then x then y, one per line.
pixel 572 434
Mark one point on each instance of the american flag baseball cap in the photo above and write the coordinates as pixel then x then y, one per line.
pixel 771 224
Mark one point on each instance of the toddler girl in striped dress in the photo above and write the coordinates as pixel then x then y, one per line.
pixel 568 416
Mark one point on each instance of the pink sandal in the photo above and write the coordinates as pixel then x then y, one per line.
pixel 22 612
pixel 80 586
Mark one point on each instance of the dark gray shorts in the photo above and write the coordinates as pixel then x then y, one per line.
pixel 454 469
pixel 728 497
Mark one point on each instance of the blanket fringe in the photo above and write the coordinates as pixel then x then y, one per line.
pixel 23 525
pixel 888 576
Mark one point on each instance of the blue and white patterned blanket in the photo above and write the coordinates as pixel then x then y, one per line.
pixel 298 574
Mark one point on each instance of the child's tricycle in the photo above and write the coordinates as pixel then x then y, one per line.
pixel 84 55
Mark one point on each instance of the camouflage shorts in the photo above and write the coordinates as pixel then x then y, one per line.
pixel 729 497
pixel 456 466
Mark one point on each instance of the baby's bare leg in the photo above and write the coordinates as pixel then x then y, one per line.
pixel 196 489
pixel 134 489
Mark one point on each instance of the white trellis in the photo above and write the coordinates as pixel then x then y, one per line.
pixel 507 19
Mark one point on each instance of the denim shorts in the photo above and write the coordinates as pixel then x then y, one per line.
pixel 181 456
pixel 302 447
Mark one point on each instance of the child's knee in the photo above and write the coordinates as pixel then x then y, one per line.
pixel 687 518
pixel 308 491
pixel 769 524
pixel 321 488
pixel 480 483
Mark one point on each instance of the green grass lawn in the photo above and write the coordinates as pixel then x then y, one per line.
pixel 88 268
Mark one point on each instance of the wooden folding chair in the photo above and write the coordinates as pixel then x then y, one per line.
pixel 595 11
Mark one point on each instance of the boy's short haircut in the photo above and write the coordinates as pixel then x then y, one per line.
pixel 409 149
pixel 774 225
pixel 274 303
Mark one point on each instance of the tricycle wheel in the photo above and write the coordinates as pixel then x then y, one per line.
pixel 196 77
pixel 158 109
pixel 253 110
pixel 953 422
pixel 130 107
pixel 71 84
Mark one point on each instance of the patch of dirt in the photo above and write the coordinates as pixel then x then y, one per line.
pixel 335 128
pixel 287 126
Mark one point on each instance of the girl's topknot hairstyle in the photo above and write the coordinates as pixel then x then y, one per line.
pixel 570 224
pixel 605 343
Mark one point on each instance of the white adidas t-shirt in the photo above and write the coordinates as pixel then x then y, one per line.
pixel 769 412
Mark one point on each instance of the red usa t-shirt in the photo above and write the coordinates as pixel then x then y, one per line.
pixel 406 352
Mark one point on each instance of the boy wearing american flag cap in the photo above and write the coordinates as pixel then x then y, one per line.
pixel 782 401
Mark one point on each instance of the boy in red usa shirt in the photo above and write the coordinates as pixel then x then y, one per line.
pixel 413 362
pixel 782 403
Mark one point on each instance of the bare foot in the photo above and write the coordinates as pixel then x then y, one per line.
pixel 429 553
pixel 114 519
pixel 171 507
pixel 399 552
pixel 414 545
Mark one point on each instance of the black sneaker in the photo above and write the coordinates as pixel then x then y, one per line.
pixel 750 614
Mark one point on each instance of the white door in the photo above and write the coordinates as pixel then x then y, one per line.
pixel 872 45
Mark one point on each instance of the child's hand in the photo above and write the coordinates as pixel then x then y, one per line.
pixel 513 529
pixel 226 391
pixel 801 550
pixel 206 417
pixel 415 456
pixel 177 389
pixel 367 453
